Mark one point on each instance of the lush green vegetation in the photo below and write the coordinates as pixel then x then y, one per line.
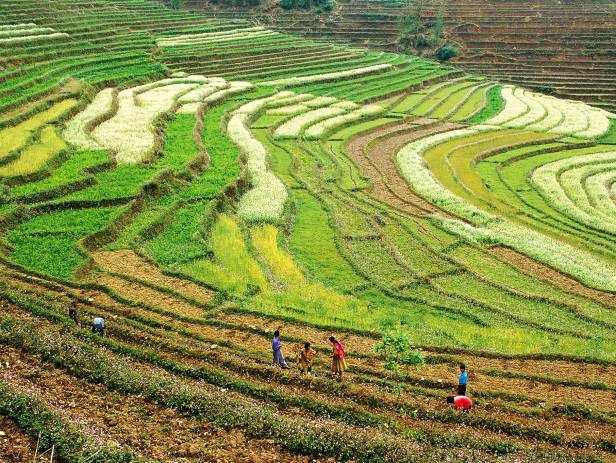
pixel 389 222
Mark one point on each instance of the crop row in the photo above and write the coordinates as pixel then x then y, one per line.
pixel 219 377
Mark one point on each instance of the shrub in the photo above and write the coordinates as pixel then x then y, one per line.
pixel 446 53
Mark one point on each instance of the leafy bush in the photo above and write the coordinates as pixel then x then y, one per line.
pixel 446 53
pixel 397 350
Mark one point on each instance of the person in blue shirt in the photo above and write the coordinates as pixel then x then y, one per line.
pixel 462 380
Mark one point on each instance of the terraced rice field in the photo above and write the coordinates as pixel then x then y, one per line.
pixel 563 47
pixel 202 182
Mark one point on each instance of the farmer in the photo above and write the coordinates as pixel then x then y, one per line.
pixel 277 351
pixel 462 380
pixel 461 402
pixel 72 312
pixel 98 326
pixel 338 362
pixel 305 357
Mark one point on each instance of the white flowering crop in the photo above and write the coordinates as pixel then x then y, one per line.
pixel 514 107
pixel 294 127
pixel 200 93
pixel 290 110
pixel 27 32
pixel 590 270
pixel 32 38
pixel 208 35
pixel 196 79
pixel 554 116
pixel 5 27
pixel 76 131
pixel 533 111
pixel 233 89
pixel 130 133
pixel 255 106
pixel 321 101
pixel 189 108
pixel 598 189
pixel 414 170
pixel 265 200
pixel 216 37
pixel 484 227
pixel 328 76
pixel 318 130
pixel 560 183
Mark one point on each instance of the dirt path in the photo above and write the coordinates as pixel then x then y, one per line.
pixel 354 387
pixel 149 296
pixel 374 153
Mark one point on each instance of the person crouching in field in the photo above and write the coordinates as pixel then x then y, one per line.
pixel 461 402
pixel 305 357
pixel 277 351
pixel 98 326
pixel 462 380
pixel 338 362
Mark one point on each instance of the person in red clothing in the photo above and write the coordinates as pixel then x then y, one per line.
pixel 338 362
pixel 461 401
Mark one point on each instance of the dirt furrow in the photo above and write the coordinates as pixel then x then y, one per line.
pixel 129 263
pixel 15 445
pixel 374 152
pixel 155 432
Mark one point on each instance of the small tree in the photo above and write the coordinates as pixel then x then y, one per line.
pixel 396 351
pixel 438 25
pixel 446 53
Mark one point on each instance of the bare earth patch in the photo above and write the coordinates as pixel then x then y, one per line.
pixel 128 263
pixel 375 151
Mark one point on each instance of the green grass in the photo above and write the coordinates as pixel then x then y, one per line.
pixel 342 257
pixel 472 105
pixel 378 264
pixel 453 101
pixel 46 243
pixel 494 105
pixel 502 274
pixel 184 238
pixel 232 268
pixel 180 147
pixel 514 176
pixel 610 136
pixel 123 182
pixel 53 255
pixel 443 94
pixel 224 167
pixel 312 243
pixel 417 255
pixel 70 171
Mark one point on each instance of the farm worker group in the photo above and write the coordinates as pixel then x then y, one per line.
pixel 98 323
pixel 305 356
